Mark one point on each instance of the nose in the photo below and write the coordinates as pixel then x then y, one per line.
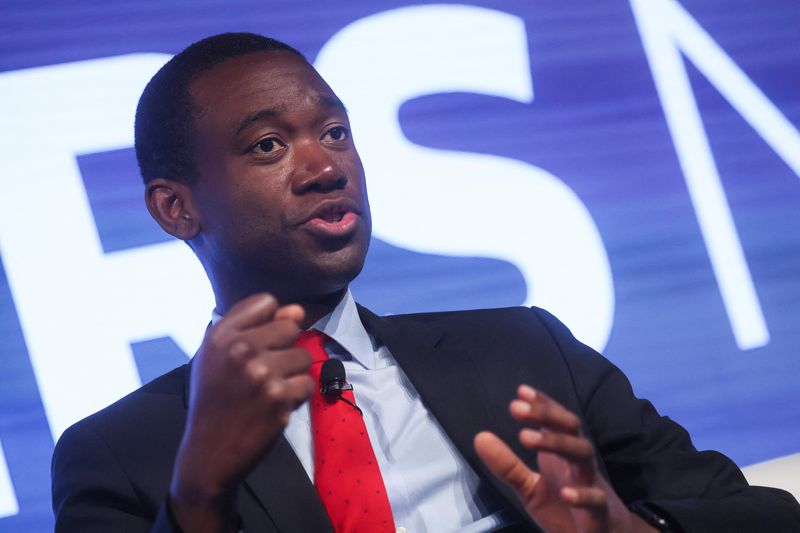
pixel 315 169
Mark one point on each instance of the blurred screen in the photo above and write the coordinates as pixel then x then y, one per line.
pixel 633 166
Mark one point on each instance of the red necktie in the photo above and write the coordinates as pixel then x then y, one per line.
pixel 346 473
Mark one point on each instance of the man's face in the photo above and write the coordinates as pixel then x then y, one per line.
pixel 280 189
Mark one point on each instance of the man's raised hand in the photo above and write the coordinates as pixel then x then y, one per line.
pixel 568 494
pixel 246 379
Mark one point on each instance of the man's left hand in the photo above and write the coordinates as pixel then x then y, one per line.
pixel 568 494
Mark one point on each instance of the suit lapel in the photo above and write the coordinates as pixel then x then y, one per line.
pixel 281 486
pixel 450 386
pixel 446 381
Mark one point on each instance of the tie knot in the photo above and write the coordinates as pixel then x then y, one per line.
pixel 313 341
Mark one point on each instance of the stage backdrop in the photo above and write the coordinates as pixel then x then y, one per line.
pixel 631 165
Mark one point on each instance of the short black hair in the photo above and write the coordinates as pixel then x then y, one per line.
pixel 166 112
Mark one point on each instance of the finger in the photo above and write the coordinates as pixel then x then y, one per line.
pixel 571 447
pixel 593 498
pixel 285 395
pixel 299 389
pixel 505 464
pixel 535 407
pixel 272 335
pixel 285 363
pixel 292 312
pixel 251 311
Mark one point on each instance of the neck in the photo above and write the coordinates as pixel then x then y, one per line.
pixel 315 306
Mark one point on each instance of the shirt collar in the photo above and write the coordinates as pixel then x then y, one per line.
pixel 344 326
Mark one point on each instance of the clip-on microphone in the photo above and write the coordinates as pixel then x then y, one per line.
pixel 333 382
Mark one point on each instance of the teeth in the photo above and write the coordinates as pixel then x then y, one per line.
pixel 333 217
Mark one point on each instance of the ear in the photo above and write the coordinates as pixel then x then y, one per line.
pixel 170 204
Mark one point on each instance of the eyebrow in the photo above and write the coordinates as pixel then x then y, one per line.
pixel 330 102
pixel 258 116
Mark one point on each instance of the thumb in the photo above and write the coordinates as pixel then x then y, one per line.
pixel 505 464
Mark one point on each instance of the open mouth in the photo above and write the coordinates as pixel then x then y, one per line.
pixel 336 219
pixel 333 210
pixel 333 214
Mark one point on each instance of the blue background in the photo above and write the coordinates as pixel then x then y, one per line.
pixel 596 123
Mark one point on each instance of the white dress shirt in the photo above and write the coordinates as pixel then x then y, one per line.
pixel 431 488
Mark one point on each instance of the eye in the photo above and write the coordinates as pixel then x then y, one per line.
pixel 267 146
pixel 336 134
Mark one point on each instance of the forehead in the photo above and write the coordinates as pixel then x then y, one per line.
pixel 279 80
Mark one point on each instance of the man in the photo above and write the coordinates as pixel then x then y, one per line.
pixel 247 155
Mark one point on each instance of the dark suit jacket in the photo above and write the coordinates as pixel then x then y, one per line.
pixel 111 471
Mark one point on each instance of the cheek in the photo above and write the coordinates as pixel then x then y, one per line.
pixel 255 211
pixel 240 215
pixel 261 212
pixel 351 165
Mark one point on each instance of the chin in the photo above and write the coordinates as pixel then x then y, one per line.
pixel 336 274
pixel 341 276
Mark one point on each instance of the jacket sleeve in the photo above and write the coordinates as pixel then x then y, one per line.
pixel 650 458
pixel 92 492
